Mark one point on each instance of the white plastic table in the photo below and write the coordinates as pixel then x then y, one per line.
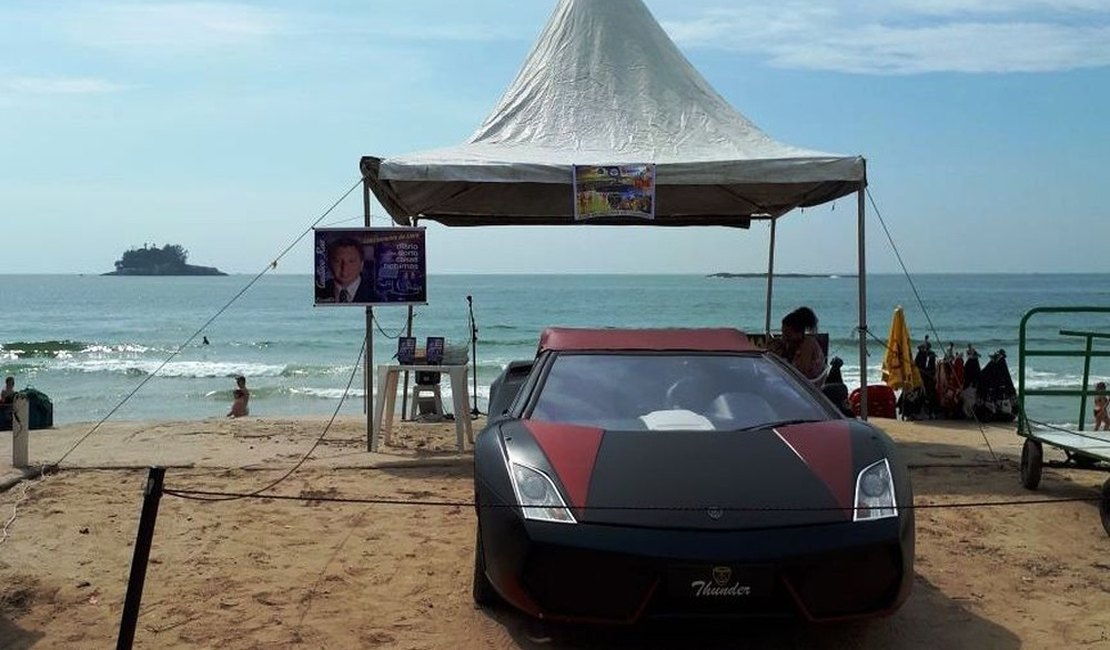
pixel 385 404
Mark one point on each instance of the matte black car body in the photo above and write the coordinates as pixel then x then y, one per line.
pixel 679 522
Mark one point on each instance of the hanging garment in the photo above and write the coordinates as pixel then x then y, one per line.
pixel 996 399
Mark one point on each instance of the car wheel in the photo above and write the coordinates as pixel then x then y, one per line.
pixel 1032 460
pixel 484 593
pixel 1104 507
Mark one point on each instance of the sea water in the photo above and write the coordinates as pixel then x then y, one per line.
pixel 121 345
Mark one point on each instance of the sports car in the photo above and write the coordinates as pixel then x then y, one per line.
pixel 682 472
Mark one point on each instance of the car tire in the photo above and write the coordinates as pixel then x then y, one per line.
pixel 484 593
pixel 1032 461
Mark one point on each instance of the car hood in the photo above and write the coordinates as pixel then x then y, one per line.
pixel 718 480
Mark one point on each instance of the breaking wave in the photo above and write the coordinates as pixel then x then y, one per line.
pixel 188 369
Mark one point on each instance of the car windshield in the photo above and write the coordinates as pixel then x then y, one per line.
pixel 657 391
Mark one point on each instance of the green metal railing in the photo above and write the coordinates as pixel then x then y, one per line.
pixel 1086 354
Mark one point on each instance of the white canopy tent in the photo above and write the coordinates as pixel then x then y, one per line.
pixel 605 85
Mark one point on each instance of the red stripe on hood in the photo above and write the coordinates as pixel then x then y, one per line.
pixel 826 448
pixel 571 451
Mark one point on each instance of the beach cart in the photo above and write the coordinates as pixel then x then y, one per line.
pixel 1082 449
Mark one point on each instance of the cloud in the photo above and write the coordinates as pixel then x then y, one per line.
pixel 173 26
pixel 910 36
pixel 58 86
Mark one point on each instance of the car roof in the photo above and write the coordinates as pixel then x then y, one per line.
pixel 707 339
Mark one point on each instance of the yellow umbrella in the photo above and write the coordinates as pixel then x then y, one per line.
pixel 899 371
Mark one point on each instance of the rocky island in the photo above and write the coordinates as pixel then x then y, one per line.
pixel 170 259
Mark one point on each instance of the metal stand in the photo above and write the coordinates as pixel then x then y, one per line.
pixel 473 355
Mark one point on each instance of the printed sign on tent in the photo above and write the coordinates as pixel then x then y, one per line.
pixel 370 266
pixel 614 191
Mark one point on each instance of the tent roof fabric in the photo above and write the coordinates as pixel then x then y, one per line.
pixel 605 85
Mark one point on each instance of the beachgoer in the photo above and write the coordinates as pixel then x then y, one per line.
pixel 798 343
pixel 241 399
pixel 8 392
pixel 1102 418
pixel 204 341
pixel 348 283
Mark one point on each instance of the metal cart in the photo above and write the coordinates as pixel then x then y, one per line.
pixel 1082 449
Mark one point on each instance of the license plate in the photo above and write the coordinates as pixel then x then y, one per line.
pixel 720 582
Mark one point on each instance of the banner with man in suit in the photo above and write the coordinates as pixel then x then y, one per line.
pixel 370 266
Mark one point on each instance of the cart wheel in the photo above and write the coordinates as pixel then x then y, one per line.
pixel 1032 459
pixel 1104 507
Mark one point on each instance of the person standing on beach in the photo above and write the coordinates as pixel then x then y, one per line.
pixel 1102 418
pixel 241 399
pixel 7 397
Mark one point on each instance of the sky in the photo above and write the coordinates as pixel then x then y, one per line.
pixel 231 127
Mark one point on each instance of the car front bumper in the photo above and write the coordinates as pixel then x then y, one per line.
pixel 592 572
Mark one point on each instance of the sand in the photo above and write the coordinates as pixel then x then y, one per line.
pixel 273 573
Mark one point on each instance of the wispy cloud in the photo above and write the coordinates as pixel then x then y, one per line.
pixel 911 36
pixel 173 26
pixel 57 86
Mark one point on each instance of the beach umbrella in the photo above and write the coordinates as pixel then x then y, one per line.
pixel 899 371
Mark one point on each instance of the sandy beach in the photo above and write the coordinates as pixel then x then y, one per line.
pixel 276 573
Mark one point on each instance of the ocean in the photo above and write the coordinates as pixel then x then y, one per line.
pixel 95 344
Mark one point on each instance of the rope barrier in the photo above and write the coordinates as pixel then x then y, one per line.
pixel 901 263
pixel 386 334
pixel 205 495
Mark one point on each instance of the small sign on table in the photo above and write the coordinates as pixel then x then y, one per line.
pixel 406 349
pixel 433 350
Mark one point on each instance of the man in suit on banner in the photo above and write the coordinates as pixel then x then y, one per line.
pixel 352 280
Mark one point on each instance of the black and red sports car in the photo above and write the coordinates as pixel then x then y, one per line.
pixel 683 472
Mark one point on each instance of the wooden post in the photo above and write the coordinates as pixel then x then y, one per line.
pixel 152 494
pixel 21 427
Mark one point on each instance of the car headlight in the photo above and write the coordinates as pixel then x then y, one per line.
pixel 538 497
pixel 875 493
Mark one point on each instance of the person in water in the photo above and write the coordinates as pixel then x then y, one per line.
pixel 240 399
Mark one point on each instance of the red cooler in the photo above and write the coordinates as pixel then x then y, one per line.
pixel 880 401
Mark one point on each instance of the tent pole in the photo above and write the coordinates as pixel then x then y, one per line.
pixel 408 332
pixel 368 381
pixel 861 228
pixel 770 279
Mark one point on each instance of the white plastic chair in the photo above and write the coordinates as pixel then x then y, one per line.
pixel 427 391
